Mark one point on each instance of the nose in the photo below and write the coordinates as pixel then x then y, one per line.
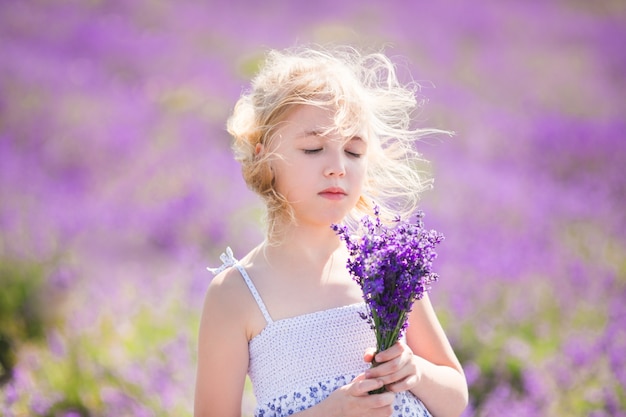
pixel 335 166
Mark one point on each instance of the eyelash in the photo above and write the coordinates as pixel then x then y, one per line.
pixel 314 151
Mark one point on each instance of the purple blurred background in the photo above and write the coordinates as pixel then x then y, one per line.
pixel 117 188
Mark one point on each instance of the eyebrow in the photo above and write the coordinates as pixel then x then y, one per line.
pixel 312 132
pixel 320 133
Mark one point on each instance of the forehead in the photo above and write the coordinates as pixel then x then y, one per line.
pixel 307 120
pixel 307 117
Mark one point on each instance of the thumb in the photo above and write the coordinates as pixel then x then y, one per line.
pixel 369 355
pixel 359 377
pixel 361 386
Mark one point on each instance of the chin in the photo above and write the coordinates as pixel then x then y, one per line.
pixel 335 219
pixel 324 216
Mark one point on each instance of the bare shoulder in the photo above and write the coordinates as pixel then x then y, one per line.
pixel 228 287
pixel 229 302
pixel 226 294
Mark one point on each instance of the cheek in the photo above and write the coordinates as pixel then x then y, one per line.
pixel 360 172
pixel 359 182
pixel 281 178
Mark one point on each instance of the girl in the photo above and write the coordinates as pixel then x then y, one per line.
pixel 320 136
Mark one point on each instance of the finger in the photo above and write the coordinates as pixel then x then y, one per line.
pixel 362 387
pixel 383 369
pixel 390 372
pixel 359 377
pixel 369 355
pixel 404 374
pixel 403 384
pixel 381 400
pixel 388 354
pixel 380 370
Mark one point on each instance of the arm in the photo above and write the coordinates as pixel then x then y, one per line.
pixel 222 351
pixel 426 365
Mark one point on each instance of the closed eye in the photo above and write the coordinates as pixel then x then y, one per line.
pixel 353 154
pixel 311 151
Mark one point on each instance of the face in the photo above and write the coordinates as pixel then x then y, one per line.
pixel 320 174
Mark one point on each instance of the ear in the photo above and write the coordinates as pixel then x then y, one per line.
pixel 259 149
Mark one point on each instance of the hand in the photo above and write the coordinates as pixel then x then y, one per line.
pixel 397 367
pixel 353 400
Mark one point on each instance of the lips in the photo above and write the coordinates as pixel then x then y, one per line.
pixel 333 193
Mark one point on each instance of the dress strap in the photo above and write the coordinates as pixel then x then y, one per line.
pixel 228 260
pixel 254 292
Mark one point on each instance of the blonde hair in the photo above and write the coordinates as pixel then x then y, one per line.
pixel 366 95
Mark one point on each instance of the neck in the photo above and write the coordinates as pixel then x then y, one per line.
pixel 304 245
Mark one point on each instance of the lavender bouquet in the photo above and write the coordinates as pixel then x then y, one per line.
pixel 392 264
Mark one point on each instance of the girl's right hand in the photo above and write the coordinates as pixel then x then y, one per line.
pixel 353 400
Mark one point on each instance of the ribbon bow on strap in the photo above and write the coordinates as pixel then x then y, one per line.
pixel 227 259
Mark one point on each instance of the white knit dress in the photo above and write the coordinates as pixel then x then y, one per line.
pixel 297 362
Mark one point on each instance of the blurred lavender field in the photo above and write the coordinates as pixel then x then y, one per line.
pixel 117 188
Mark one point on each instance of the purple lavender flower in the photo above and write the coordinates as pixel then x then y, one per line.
pixel 393 266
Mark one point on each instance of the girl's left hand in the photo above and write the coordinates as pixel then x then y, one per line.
pixel 397 367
